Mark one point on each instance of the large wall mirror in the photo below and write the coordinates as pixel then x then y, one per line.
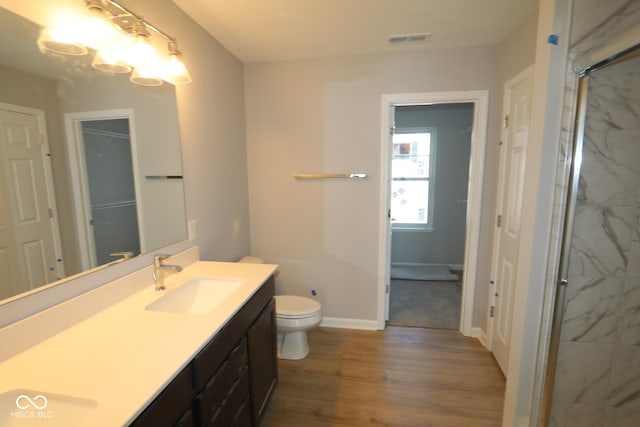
pixel 90 164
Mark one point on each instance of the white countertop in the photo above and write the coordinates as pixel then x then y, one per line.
pixel 114 363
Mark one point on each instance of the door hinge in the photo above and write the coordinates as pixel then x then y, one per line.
pixel 392 130
pixel 499 221
pixel 506 121
pixel 386 289
pixel 491 311
pixel 50 213
pixel 41 139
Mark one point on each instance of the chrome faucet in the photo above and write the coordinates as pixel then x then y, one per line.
pixel 157 266
pixel 125 256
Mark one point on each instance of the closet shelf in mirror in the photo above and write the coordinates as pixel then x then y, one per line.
pixel 163 177
pixel 114 205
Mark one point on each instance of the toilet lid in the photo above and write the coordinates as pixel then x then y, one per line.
pixel 291 306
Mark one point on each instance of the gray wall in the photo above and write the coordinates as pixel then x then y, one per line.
pixel 325 116
pixel 515 54
pixel 445 243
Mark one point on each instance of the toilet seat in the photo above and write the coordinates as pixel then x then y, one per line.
pixel 295 307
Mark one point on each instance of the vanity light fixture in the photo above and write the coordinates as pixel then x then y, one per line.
pixel 110 62
pixel 121 42
pixel 61 41
pixel 175 70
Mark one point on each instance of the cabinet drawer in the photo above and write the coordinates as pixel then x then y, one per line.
pixel 243 417
pixel 207 362
pixel 186 420
pixel 230 408
pixel 218 387
pixel 170 405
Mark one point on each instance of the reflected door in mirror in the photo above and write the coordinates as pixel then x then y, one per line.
pixel 28 234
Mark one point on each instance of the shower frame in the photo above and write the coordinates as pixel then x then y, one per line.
pixel 562 281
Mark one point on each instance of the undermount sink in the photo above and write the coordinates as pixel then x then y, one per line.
pixel 31 408
pixel 199 295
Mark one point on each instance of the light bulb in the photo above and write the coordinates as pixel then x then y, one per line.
pixel 175 70
pixel 99 33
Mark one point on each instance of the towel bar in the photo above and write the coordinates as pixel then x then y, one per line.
pixel 329 175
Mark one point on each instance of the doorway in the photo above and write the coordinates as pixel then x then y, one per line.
pixel 431 147
pixel 478 100
pixel 102 145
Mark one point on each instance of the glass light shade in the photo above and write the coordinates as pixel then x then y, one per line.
pixel 145 77
pixel 175 71
pixel 108 61
pixel 60 41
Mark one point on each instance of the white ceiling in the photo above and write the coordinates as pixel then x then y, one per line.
pixel 275 30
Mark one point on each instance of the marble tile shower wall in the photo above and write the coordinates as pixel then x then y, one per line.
pixel 598 374
pixel 600 339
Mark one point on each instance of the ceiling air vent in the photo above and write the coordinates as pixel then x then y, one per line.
pixel 409 38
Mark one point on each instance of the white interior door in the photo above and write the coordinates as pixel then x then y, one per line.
pixel 27 240
pixel 517 105
pixel 388 144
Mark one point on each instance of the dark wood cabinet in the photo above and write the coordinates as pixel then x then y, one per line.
pixel 231 380
pixel 263 360
pixel 173 407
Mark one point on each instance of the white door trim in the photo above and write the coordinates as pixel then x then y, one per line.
pixel 73 123
pixel 480 99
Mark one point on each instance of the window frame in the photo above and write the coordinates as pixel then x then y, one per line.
pixel 409 226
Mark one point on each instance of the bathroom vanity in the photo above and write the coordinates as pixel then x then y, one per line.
pixel 154 358
pixel 229 382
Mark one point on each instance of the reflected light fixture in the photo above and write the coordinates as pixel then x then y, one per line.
pixel 145 76
pixel 120 42
pixel 61 41
pixel 110 62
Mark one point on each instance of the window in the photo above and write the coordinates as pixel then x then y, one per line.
pixel 412 170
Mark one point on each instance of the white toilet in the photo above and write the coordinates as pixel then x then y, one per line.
pixel 294 317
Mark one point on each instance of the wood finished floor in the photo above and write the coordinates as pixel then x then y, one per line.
pixel 397 377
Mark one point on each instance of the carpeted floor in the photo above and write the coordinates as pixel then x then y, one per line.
pixel 426 304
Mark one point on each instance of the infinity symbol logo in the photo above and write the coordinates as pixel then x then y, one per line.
pixel 20 401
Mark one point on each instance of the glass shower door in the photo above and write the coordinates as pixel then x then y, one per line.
pixel 597 327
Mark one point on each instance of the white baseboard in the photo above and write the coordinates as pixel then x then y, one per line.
pixel 338 322
pixel 481 336
pixel 413 264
